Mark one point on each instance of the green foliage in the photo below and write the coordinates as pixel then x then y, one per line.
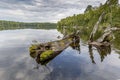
pixel 89 7
pixel 86 21
pixel 117 40
pixel 91 15
pixel 4 25
pixel 111 2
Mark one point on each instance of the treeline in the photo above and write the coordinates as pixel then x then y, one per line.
pixel 4 25
pixel 89 18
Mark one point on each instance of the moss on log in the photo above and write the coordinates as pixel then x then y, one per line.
pixel 32 50
pixel 46 55
pixel 44 52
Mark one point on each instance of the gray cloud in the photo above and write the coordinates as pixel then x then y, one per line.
pixel 42 10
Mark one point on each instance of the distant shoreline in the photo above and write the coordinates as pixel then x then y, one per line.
pixel 6 25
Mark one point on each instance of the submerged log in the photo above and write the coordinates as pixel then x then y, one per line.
pixel 44 52
pixel 46 56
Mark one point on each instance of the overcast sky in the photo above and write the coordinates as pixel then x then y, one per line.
pixel 42 10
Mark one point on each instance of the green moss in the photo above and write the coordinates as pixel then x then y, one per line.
pixel 45 55
pixel 32 50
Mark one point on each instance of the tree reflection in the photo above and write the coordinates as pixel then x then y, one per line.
pixel 103 51
pixel 91 54
pixel 76 44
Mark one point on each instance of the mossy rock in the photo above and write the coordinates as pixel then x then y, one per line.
pixel 46 55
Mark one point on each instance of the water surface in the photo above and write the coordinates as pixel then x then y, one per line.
pixel 16 63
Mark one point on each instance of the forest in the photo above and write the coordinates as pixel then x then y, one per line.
pixel 85 22
pixel 5 25
pixel 91 15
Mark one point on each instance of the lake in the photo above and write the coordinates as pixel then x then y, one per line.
pixel 17 64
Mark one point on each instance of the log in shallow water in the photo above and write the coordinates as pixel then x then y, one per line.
pixel 44 52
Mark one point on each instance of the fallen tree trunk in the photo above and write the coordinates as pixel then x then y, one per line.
pixel 105 39
pixel 108 34
pixel 44 52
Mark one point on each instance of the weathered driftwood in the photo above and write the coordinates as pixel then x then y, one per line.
pixel 44 52
pixel 91 40
pixel 99 44
pixel 95 28
pixel 107 36
pixel 105 39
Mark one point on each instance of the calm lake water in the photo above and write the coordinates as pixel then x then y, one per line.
pixel 16 63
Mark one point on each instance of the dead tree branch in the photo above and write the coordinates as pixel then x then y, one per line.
pixel 96 27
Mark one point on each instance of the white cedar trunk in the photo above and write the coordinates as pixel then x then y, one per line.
pixel 96 27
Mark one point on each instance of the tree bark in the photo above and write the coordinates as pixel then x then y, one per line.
pixel 95 28
pixel 108 33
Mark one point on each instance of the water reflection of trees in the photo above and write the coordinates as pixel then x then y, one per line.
pixel 103 51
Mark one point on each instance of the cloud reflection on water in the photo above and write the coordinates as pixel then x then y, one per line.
pixel 16 63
